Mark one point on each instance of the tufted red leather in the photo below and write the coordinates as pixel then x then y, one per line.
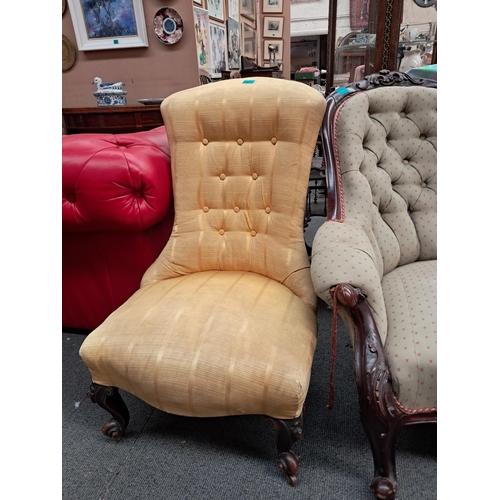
pixel 117 215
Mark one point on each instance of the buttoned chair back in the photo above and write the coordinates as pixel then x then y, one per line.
pixel 224 322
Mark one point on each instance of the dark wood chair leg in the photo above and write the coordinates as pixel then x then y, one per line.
pixel 382 439
pixel 110 399
pixel 288 432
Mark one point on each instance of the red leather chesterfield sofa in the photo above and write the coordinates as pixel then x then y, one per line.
pixel 117 215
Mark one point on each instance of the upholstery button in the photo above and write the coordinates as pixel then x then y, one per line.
pixel 222 177
pixel 274 140
pixel 236 209
pixel 405 162
pixel 402 114
pixel 138 194
pixel 205 142
pixel 254 176
pixel 268 210
pixel 205 209
pixel 423 184
pixel 253 233
pixel 240 142
pixel 221 231
pixel 423 137
pixel 70 198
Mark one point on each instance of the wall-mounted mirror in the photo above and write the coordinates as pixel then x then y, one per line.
pixel 366 36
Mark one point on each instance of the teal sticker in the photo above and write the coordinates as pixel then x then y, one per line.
pixel 248 81
pixel 342 91
pixel 115 42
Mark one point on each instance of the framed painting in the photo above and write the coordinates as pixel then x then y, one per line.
pixel 272 6
pixel 273 27
pixel 233 9
pixel 233 43
pixel 201 32
pixel 247 9
pixel 278 54
pixel 216 9
pixel 249 42
pixel 218 50
pixel 359 12
pixel 108 24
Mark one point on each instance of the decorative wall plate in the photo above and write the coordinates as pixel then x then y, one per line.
pixel 68 53
pixel 168 26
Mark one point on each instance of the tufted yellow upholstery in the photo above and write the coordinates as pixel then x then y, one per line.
pixel 386 142
pixel 224 322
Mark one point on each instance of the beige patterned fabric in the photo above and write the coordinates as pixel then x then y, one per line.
pixel 224 322
pixel 411 345
pixel 385 147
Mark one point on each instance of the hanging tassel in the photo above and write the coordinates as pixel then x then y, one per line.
pixel 333 294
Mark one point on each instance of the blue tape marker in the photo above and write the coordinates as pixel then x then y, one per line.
pixel 248 81
pixel 342 91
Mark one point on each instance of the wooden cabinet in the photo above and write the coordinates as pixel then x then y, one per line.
pixel 111 120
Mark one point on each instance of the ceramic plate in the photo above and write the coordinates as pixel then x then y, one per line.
pixel 151 101
pixel 68 53
pixel 168 26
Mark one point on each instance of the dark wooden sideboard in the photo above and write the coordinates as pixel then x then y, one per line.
pixel 111 119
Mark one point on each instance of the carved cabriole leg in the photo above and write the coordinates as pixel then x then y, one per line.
pixel 380 415
pixel 110 399
pixel 288 432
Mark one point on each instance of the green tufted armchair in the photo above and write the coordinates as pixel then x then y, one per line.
pixel 374 260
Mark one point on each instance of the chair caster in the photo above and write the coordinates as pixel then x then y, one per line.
pixel 288 463
pixel 113 430
pixel 383 488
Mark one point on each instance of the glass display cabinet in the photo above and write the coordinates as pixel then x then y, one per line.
pixel 366 36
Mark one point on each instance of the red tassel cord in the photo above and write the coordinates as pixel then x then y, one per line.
pixel 333 294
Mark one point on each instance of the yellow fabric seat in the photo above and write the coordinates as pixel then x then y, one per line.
pixel 179 346
pixel 224 322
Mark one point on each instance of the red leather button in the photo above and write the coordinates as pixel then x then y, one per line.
pixel 71 198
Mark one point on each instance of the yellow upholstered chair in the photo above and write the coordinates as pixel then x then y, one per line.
pixel 375 258
pixel 224 322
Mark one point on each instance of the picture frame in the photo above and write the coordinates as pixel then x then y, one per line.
pixel 233 43
pixel 98 30
pixel 218 49
pixel 249 41
pixel 273 27
pixel 279 53
pixel 272 6
pixel 198 2
pixel 201 32
pixel 233 9
pixel 247 9
pixel 216 9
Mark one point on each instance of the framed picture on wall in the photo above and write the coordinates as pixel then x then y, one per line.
pixel 272 6
pixel 218 50
pixel 233 9
pixel 247 9
pixel 216 9
pixel 201 32
pixel 120 26
pixel 249 42
pixel 233 43
pixel 278 54
pixel 273 27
